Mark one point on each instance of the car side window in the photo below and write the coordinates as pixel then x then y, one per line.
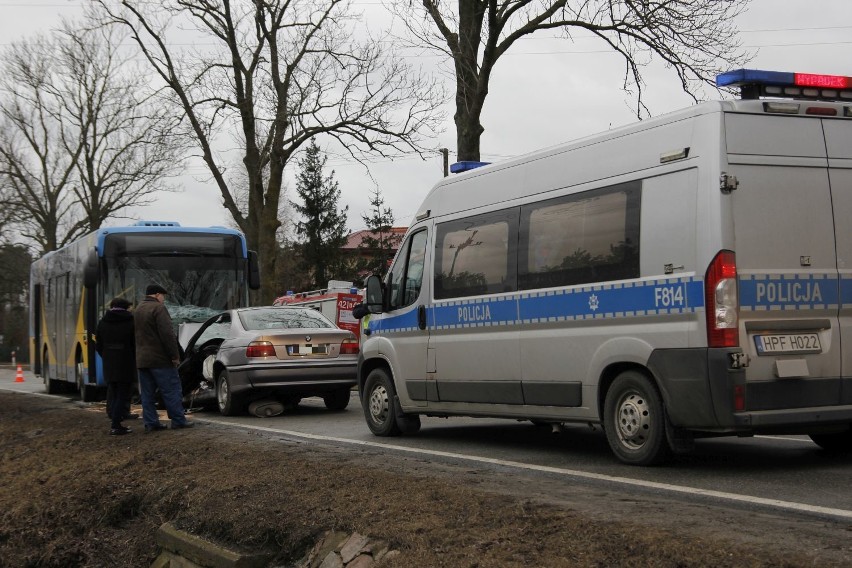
pixel 218 329
pixel 406 277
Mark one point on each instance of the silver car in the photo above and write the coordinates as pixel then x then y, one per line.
pixel 287 353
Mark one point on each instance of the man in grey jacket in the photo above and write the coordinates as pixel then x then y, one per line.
pixel 157 358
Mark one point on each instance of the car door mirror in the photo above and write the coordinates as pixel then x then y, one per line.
pixel 374 299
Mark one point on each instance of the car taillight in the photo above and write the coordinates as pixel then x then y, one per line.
pixel 721 301
pixel 260 349
pixel 349 347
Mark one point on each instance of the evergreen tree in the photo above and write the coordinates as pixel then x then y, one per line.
pixel 322 230
pixel 381 241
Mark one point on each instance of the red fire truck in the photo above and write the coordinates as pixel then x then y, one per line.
pixel 335 302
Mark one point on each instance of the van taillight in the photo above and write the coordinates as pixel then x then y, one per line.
pixel 260 349
pixel 721 301
pixel 349 347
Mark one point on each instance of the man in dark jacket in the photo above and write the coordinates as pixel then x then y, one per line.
pixel 115 342
pixel 157 358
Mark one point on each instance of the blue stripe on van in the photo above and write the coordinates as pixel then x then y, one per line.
pixel 758 292
pixel 846 290
pixel 770 292
pixel 617 300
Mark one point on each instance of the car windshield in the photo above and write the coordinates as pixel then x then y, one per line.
pixel 283 318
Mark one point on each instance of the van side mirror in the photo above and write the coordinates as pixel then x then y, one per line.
pixel 92 269
pixel 253 271
pixel 373 297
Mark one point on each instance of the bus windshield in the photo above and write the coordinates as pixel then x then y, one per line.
pixel 203 272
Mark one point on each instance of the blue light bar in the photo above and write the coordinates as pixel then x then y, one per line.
pixel 753 77
pixel 754 84
pixel 460 167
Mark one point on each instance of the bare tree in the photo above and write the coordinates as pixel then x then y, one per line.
pixel 692 37
pixel 36 166
pixel 280 72
pixel 82 135
pixel 130 140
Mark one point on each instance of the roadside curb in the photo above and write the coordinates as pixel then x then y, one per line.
pixel 180 549
pixel 183 550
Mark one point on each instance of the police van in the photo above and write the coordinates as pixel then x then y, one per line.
pixel 684 277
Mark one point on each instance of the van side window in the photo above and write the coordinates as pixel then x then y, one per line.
pixel 587 237
pixel 406 276
pixel 477 255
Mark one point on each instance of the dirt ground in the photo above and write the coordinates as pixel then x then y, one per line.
pixel 70 495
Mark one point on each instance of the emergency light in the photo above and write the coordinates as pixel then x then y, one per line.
pixel 465 166
pixel 754 84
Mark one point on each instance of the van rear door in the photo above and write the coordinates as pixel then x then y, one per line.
pixel 786 252
pixel 838 140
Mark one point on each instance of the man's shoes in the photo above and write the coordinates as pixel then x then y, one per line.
pixel 155 427
pixel 120 431
pixel 186 424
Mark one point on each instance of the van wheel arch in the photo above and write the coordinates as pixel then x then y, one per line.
pixel 367 367
pixel 611 372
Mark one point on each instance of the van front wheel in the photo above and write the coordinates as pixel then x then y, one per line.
pixel 378 403
pixel 634 420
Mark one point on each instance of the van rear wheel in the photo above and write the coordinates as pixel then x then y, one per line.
pixel 634 420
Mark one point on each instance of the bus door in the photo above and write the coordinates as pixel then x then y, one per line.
pixel 36 319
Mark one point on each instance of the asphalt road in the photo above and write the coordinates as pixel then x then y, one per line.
pixel 782 474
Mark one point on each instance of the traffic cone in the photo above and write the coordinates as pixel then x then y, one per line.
pixel 19 377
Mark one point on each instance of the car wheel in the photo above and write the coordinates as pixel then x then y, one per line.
pixel 634 420
pixel 837 442
pixel 229 405
pixel 337 400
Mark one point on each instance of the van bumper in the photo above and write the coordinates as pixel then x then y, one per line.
pixel 698 388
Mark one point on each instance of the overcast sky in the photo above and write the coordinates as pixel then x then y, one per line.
pixel 543 92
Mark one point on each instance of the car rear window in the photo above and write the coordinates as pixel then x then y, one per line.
pixel 283 318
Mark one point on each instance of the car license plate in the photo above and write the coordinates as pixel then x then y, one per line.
pixel 787 343
pixel 307 349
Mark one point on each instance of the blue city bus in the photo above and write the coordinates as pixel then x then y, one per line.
pixel 205 270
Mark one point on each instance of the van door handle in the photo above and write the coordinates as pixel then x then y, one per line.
pixel 421 317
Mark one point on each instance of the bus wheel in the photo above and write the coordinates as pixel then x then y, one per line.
pixel 634 420
pixel 228 404
pixel 378 404
pixel 88 393
pixel 836 442
pixel 51 386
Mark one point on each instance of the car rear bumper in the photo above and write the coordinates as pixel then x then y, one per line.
pixel 314 377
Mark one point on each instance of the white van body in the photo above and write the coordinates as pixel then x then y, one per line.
pixel 571 285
